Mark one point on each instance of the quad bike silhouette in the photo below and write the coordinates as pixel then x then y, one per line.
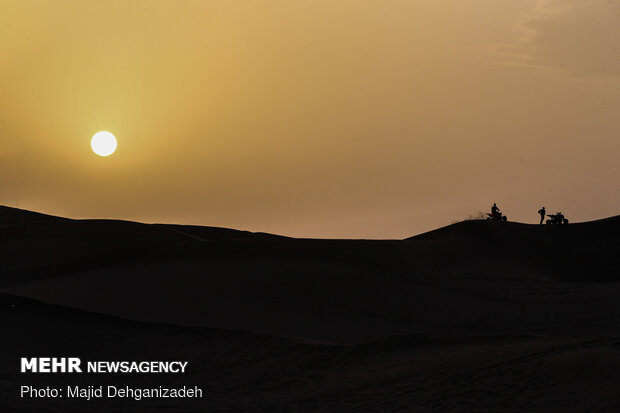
pixel 557 219
pixel 497 217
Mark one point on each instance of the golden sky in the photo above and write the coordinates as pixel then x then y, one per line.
pixel 326 118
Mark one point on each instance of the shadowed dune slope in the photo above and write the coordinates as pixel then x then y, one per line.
pixel 474 316
pixel 587 251
pixel 16 216
pixel 471 279
pixel 35 245
pixel 242 372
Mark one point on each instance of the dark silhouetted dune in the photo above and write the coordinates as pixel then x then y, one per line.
pixel 15 216
pixel 474 316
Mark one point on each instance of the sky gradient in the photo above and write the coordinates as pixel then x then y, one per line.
pixel 372 119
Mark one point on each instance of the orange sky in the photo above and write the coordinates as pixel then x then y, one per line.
pixel 331 118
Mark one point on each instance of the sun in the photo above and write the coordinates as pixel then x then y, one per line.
pixel 103 143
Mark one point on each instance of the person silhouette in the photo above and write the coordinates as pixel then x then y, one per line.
pixel 494 210
pixel 542 213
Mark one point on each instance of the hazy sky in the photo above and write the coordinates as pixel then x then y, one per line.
pixel 330 118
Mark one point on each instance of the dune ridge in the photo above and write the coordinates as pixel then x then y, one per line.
pixel 474 316
pixel 512 278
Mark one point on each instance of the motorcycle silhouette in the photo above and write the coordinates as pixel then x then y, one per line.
pixel 557 219
pixel 497 217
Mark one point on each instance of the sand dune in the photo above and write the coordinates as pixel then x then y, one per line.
pixel 474 278
pixel 460 317
pixel 246 372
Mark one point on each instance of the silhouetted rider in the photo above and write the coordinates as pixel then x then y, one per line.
pixel 495 210
pixel 542 213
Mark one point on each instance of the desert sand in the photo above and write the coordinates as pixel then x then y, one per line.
pixel 478 315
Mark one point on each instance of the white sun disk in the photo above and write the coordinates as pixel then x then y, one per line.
pixel 103 143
